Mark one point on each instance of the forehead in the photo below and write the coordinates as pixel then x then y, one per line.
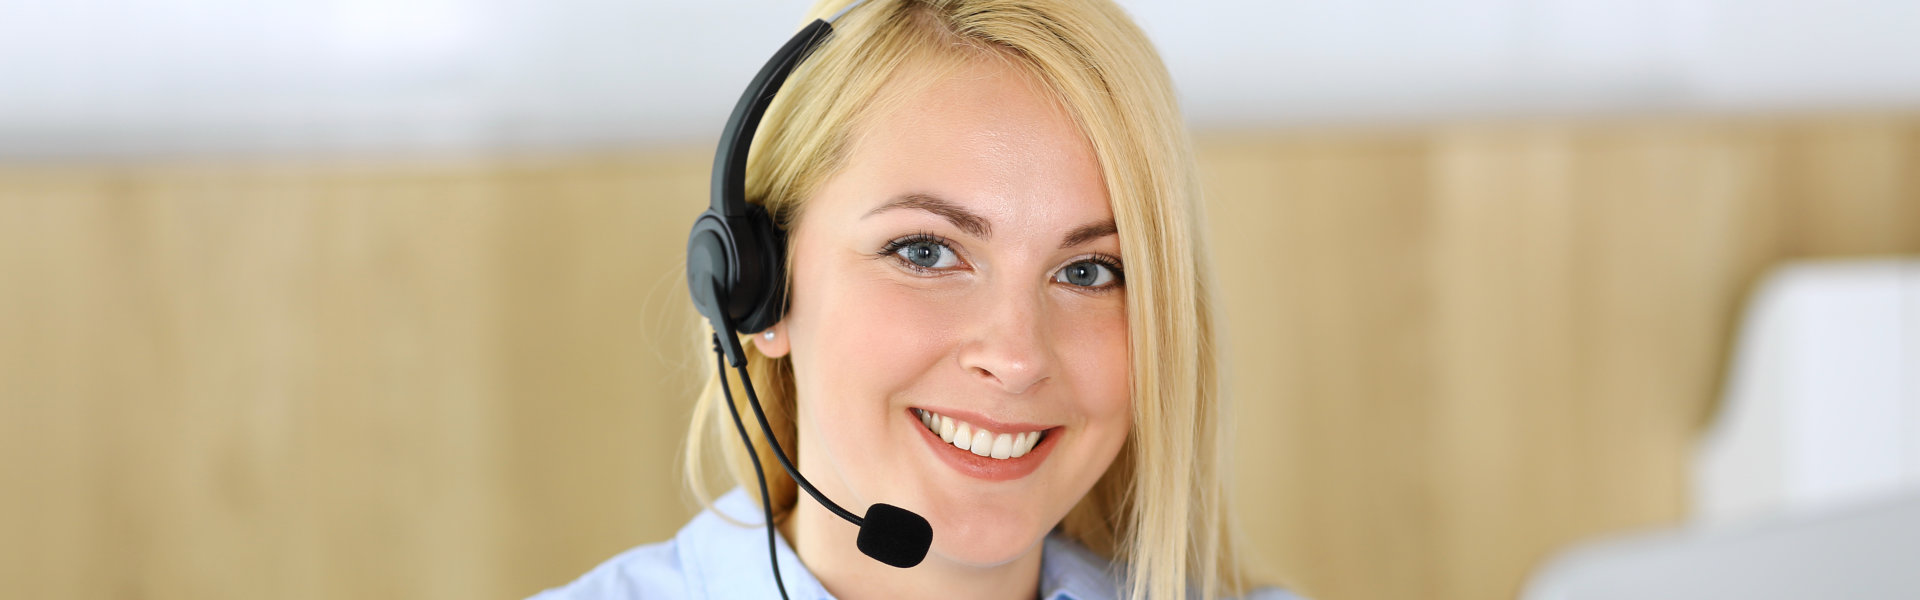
pixel 984 134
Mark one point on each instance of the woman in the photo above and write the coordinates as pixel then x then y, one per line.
pixel 998 317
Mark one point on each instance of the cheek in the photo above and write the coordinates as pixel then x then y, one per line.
pixel 866 339
pixel 874 329
pixel 1096 353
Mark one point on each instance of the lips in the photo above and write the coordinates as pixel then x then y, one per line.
pixel 985 456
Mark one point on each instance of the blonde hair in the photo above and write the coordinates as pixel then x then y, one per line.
pixel 1160 510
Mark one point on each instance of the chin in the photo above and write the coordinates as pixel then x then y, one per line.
pixel 987 538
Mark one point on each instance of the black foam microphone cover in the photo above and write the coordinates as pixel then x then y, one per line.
pixel 895 535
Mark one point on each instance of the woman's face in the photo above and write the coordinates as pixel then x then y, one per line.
pixel 963 264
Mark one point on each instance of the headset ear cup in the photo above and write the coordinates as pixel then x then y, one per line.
pixel 710 266
pixel 769 294
pixel 746 257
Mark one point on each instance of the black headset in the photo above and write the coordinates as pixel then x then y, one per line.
pixel 736 263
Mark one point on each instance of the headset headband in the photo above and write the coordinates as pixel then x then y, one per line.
pixel 730 159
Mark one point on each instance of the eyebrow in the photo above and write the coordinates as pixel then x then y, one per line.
pixel 971 223
pixel 1089 232
pixel 978 226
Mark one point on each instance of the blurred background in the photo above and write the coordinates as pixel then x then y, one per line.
pixel 357 299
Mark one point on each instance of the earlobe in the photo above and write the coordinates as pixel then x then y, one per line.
pixel 772 343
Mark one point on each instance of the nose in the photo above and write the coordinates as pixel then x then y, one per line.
pixel 1007 347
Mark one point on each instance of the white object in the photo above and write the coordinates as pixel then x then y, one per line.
pixel 1863 553
pixel 1822 404
pixel 1807 484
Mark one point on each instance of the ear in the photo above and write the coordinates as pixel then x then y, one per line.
pixel 776 347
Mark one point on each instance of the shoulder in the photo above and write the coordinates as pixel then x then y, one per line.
pixel 651 571
pixel 1070 571
pixel 1270 593
pixel 714 557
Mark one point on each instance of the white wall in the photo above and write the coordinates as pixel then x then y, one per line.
pixel 120 77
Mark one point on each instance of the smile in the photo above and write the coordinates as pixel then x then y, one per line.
pixel 979 447
pixel 978 440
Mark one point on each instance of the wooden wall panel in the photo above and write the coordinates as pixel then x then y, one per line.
pixel 327 382
pixel 1316 242
pixel 1452 351
pixel 1466 348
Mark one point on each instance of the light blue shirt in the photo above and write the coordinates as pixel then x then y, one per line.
pixel 711 559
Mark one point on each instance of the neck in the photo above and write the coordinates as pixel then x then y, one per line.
pixel 827 545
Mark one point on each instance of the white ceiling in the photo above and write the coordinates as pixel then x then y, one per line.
pixel 124 77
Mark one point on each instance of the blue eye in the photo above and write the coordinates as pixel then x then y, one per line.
pixel 924 253
pixel 1087 273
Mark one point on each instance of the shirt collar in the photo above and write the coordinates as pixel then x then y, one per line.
pixel 722 560
pixel 1069 571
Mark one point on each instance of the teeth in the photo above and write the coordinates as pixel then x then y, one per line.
pixel 979 441
pixel 982 442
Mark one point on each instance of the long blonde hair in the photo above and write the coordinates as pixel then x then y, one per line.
pixel 1161 509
